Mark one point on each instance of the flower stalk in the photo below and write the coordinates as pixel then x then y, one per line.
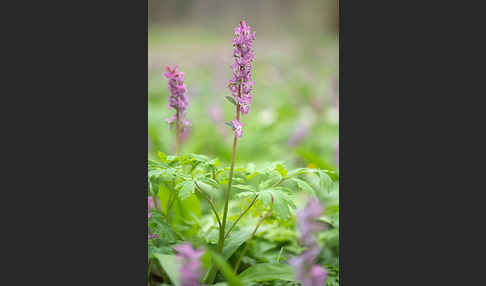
pixel 241 87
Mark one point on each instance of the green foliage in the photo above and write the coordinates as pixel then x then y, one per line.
pixel 184 184
pixel 293 89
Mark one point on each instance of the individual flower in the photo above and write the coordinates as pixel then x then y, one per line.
pixel 191 269
pixel 237 128
pixel 178 99
pixel 241 84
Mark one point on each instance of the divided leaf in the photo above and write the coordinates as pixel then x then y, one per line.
pixel 244 188
pixel 303 185
pixel 281 202
pixel 186 188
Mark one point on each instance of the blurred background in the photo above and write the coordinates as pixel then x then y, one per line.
pixel 294 117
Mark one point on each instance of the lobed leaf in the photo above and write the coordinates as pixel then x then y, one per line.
pixel 186 188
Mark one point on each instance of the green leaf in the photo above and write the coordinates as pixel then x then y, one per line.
pixel 162 156
pixel 245 194
pixel 332 210
pixel 231 278
pixel 281 202
pixel 235 240
pixel 171 266
pixel 230 125
pixel 231 99
pixel 207 185
pixel 282 170
pixel 325 181
pixel 303 185
pixel 267 272
pixel 274 178
pixel 325 219
pixel 181 210
pixel 186 188
pixel 244 188
pixel 298 171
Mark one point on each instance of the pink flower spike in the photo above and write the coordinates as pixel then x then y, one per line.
pixel 241 84
pixel 178 99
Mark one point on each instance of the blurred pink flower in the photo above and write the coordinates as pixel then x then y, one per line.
pixel 191 269
pixel 307 272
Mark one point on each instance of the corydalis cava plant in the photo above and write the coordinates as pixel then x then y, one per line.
pixel 307 271
pixel 240 86
pixel 178 100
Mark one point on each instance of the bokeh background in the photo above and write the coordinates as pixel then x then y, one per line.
pixel 294 117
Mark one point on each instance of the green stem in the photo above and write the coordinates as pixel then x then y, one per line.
pixel 148 272
pixel 210 203
pixel 214 270
pixel 170 202
pixel 251 238
pixel 178 143
pixel 240 216
pixel 230 181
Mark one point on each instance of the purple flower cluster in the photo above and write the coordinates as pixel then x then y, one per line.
pixel 178 99
pixel 190 270
pixel 307 272
pixel 241 84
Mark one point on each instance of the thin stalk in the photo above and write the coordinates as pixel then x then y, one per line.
pixel 210 203
pixel 240 216
pixel 214 269
pixel 230 181
pixel 170 202
pixel 177 133
pixel 148 272
pixel 248 208
pixel 251 238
